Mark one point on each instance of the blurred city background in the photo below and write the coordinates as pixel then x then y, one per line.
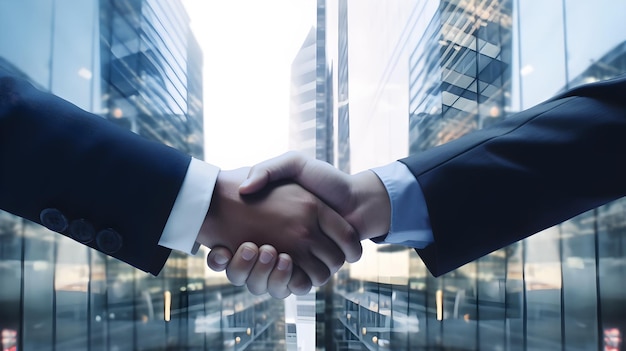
pixel 370 82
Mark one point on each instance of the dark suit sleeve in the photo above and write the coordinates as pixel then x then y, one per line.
pixel 84 177
pixel 536 169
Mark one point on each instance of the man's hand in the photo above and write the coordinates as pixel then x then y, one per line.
pixel 286 217
pixel 260 269
pixel 361 198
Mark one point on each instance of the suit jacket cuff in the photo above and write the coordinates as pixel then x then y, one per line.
pixel 190 208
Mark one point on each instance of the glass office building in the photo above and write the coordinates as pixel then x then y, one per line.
pixel 302 109
pixel 343 88
pixel 426 72
pixel 311 100
pixel 135 63
pixel 394 78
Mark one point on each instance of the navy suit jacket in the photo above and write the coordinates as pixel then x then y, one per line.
pixel 535 169
pixel 84 177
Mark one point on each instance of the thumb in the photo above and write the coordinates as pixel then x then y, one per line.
pixel 286 166
pixel 218 258
pixel 257 180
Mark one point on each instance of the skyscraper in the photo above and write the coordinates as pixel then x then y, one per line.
pixel 343 96
pixel 423 73
pixel 303 102
pixel 137 64
pixel 311 120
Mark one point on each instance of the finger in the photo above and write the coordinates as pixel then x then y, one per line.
pixel 317 270
pixel 284 166
pixel 218 258
pixel 320 178
pixel 321 258
pixel 280 276
pixel 242 263
pixel 299 284
pixel 341 233
pixel 257 280
pixel 328 254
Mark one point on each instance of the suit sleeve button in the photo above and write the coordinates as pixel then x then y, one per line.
pixel 82 231
pixel 109 241
pixel 53 219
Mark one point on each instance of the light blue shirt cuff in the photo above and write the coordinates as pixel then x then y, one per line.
pixel 190 208
pixel 410 223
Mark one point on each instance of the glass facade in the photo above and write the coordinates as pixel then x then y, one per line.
pixel 135 63
pixel 343 88
pixel 324 144
pixel 311 110
pixel 449 67
pixel 302 109
pixel 421 73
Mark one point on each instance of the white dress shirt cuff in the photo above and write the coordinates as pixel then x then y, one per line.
pixel 410 224
pixel 190 208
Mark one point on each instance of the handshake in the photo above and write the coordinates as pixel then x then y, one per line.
pixel 289 223
pixel 281 227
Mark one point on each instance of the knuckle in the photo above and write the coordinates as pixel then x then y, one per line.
pixel 309 203
pixel 352 243
pixel 303 232
pixel 348 234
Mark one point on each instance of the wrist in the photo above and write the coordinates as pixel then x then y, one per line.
pixel 225 193
pixel 372 211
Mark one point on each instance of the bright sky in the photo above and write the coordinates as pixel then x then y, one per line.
pixel 248 47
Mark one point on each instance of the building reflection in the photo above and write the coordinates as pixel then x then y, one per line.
pixel 135 63
pixel 447 68
pixel 421 73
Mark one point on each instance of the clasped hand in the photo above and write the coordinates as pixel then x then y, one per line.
pixel 291 223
